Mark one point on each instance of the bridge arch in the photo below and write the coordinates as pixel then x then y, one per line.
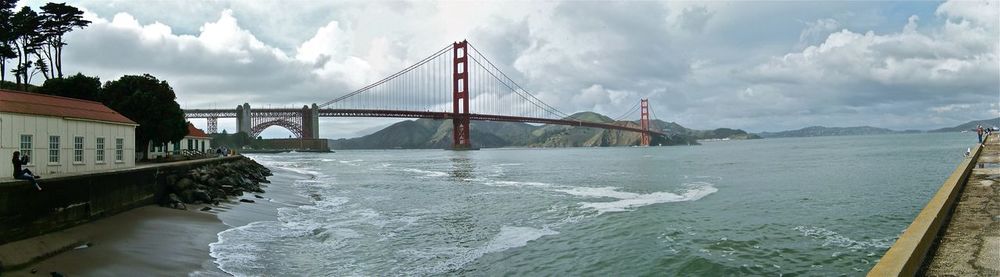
pixel 292 126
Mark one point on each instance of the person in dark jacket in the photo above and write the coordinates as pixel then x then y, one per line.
pixel 23 173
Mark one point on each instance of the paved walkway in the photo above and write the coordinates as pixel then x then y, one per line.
pixel 970 245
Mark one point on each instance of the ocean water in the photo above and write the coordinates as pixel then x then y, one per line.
pixel 795 206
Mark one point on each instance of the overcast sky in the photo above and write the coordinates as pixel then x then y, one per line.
pixel 758 66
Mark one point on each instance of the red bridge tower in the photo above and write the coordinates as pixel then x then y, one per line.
pixel 460 104
pixel 644 121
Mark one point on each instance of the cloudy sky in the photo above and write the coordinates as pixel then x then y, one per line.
pixel 759 66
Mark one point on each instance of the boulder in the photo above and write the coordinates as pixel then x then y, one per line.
pixel 187 196
pixel 172 198
pixel 201 196
pixel 184 184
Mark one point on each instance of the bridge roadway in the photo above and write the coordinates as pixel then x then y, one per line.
pixel 231 113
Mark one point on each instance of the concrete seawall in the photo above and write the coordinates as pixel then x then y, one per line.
pixel 918 244
pixel 67 201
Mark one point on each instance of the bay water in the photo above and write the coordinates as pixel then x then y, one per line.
pixel 790 206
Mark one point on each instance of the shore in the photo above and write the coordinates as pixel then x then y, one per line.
pixel 160 241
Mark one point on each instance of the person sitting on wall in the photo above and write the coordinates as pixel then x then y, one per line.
pixel 23 173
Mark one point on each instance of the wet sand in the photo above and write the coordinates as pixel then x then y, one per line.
pixel 159 241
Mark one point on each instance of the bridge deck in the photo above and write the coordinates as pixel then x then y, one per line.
pixel 230 113
pixel 970 245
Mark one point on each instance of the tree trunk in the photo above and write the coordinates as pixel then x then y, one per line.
pixel 20 64
pixel 58 65
pixel 49 56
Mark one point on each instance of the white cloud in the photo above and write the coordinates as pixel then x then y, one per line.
pixel 818 29
pixel 908 58
pixel 951 108
pixel 756 65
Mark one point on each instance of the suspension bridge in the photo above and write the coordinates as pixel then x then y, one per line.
pixel 453 84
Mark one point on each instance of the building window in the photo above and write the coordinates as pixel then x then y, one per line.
pixel 203 146
pixel 53 149
pixel 26 146
pixel 119 149
pixel 78 149
pixel 100 150
pixel 190 144
pixel 177 146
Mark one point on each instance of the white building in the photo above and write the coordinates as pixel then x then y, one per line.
pixel 195 140
pixel 63 135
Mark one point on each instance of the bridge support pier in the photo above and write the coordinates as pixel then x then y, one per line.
pixel 244 122
pixel 310 122
pixel 460 103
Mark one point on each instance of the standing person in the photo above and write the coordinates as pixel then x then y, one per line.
pixel 979 131
pixel 23 173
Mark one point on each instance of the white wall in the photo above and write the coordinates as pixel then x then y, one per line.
pixel 12 126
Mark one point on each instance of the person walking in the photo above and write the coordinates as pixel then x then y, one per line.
pixel 23 173
pixel 979 132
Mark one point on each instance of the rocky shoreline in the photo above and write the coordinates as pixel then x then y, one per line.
pixel 211 184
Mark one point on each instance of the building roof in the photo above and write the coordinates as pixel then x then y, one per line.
pixel 195 132
pixel 48 105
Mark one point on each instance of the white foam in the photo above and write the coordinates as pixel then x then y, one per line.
pixel 302 171
pixel 610 192
pixel 518 184
pixel 351 162
pixel 513 237
pixel 232 256
pixel 696 192
pixel 626 200
pixel 426 173
pixel 509 237
pixel 831 238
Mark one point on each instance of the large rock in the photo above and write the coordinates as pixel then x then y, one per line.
pixel 184 184
pixel 211 183
pixel 202 196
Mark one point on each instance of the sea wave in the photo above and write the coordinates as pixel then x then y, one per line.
pixel 627 201
pixel 517 184
pixel 351 162
pixel 426 173
pixel 630 201
pixel 509 237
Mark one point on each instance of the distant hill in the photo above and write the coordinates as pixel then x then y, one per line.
pixel 971 125
pixel 722 133
pixel 819 131
pixel 436 134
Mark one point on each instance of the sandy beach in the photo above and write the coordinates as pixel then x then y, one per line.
pixel 159 241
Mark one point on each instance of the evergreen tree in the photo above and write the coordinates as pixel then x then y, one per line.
pixel 6 36
pixel 25 26
pixel 59 19
pixel 76 86
pixel 149 102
